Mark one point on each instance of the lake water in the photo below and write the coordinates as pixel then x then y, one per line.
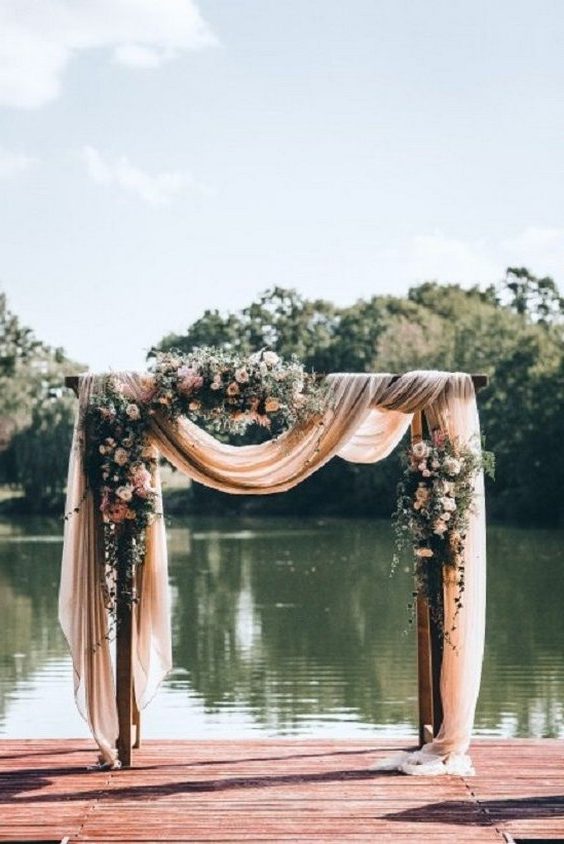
pixel 289 627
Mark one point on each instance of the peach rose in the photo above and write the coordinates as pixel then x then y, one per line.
pixel 121 456
pixel 117 512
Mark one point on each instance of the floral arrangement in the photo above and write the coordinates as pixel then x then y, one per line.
pixel 435 500
pixel 223 391
pixel 226 392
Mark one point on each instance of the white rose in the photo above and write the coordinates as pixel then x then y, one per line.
pixel 270 358
pixel 439 527
pixel 445 516
pixel 420 450
pixel 241 375
pixel 125 493
pixel 452 466
pixel 448 504
pixel 133 411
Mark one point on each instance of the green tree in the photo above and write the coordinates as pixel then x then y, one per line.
pixel 512 332
pixel 535 298
pixel 35 418
pixel 39 454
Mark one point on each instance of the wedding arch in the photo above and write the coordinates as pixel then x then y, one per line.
pixel 363 420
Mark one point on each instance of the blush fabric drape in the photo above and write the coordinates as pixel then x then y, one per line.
pixel 366 416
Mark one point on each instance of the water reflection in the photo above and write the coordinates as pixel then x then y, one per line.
pixel 289 627
pixel 301 622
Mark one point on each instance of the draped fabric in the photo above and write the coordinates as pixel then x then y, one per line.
pixel 366 416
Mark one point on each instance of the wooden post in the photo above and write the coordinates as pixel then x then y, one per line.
pixel 124 667
pixel 128 713
pixel 430 634
pixel 436 636
pixel 425 673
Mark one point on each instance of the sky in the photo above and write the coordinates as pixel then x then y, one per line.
pixel 161 157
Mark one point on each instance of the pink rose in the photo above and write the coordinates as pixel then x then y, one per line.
pixel 439 438
pixel 141 479
pixel 141 476
pixel 189 380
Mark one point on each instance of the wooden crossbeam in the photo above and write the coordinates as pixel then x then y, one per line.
pixel 479 381
pixel 429 646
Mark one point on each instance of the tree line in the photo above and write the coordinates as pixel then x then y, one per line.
pixel 513 332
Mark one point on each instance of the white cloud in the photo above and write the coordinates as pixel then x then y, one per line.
pixel 539 249
pixel 40 37
pixel 12 163
pixel 156 189
pixel 133 55
pixel 464 261
pixel 437 256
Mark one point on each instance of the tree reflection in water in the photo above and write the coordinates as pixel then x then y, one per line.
pixel 296 620
pixel 297 625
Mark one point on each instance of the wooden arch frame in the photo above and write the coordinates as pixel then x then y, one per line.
pixel 429 644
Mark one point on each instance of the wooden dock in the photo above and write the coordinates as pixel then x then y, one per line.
pixel 277 790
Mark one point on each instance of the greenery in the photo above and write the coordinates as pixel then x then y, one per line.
pixel 36 418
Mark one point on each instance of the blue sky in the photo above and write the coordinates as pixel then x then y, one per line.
pixel 159 157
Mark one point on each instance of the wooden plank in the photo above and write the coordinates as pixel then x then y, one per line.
pixel 300 790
